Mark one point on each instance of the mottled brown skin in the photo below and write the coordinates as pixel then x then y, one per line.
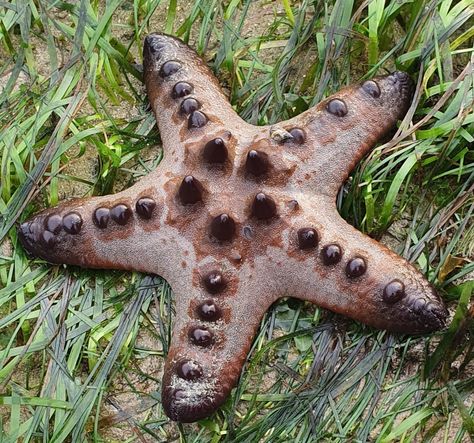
pixel 281 202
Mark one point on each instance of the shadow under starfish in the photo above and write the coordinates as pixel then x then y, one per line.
pixel 236 217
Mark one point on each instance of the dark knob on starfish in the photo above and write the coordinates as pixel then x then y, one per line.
pixel 145 207
pixel 214 282
pixel 169 68
pixel 189 105
pixel 181 89
pixel 298 136
pixel 337 107
pixel 263 206
pixel 331 254
pixel 307 238
pixel 190 191
pixel 223 227
pixel 72 223
pixel 121 214
pixel 209 311
pixel 197 120
pixel 201 337
pixel 154 45
pixel 215 151
pixel 394 291
pixel 189 370
pixel 418 305
pixel 54 223
pixel 48 239
pixel 371 88
pixel 101 217
pixel 292 205
pixel 356 267
pixel 257 163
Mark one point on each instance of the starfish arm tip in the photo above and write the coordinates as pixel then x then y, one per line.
pixel 184 94
pixel 353 275
pixel 212 335
pixel 345 126
pixel 97 232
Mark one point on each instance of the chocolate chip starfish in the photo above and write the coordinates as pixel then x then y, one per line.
pixel 236 217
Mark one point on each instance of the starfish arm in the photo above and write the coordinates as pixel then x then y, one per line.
pixel 353 275
pixel 344 127
pixel 212 335
pixel 99 232
pixel 186 98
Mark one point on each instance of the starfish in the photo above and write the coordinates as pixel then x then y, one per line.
pixel 236 217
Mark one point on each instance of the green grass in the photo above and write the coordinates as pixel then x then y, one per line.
pixel 67 335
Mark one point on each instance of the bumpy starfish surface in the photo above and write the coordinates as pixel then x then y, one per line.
pixel 236 217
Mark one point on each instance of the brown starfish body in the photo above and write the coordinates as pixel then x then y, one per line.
pixel 236 217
